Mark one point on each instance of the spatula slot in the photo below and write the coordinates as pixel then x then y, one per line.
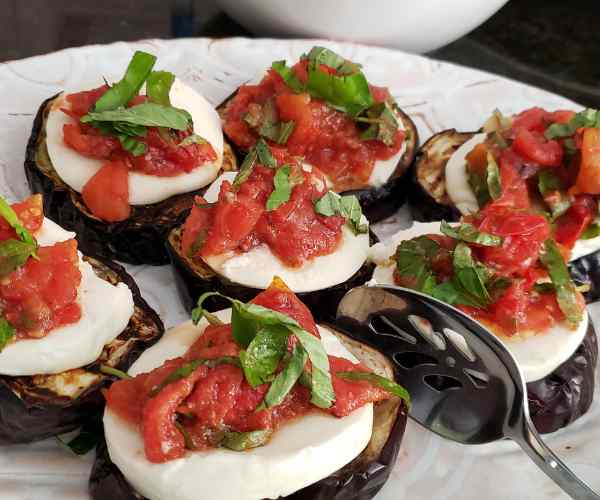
pixel 424 328
pixel 409 360
pixel 479 379
pixel 442 383
pixel 460 343
pixel 383 326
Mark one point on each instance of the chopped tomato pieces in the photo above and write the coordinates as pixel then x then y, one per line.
pixel 588 179
pixel 571 225
pixel 533 146
pixel 107 193
pixel 30 213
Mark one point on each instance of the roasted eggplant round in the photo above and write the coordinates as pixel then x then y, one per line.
pixel 428 198
pixel 136 240
pixel 40 406
pixel 361 479
pixel 377 202
pixel 194 277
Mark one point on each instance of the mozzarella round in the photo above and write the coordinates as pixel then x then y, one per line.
pixel 257 267
pixel 76 170
pixel 300 453
pixel 105 313
pixel 457 181
pixel 537 355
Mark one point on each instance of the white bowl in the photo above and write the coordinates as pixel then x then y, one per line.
pixel 418 26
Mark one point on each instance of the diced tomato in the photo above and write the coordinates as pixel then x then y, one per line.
pixel 92 145
pixel 534 147
pixel 588 178
pixel 380 94
pixel 81 102
pixel 30 213
pixel 533 119
pixel 562 116
pixel 571 225
pixel 216 341
pixel 106 194
pixel 196 225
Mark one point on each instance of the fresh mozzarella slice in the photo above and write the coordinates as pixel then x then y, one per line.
pixel 457 181
pixel 75 169
pixel 537 355
pixel 105 312
pixel 300 453
pixel 257 267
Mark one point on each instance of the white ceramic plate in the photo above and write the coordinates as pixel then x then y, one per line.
pixel 437 96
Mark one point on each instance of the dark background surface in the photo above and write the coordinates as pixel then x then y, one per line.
pixel 549 43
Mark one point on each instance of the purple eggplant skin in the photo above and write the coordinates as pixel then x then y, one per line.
pixel 377 203
pixel 32 408
pixel 586 270
pixel 193 278
pixel 566 394
pixel 428 199
pixel 136 240
pixel 361 479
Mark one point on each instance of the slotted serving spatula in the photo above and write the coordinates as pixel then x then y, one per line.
pixel 463 382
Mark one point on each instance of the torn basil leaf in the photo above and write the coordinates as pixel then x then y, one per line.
pixel 13 254
pixel 552 190
pixel 413 260
pixel 588 118
pixel 245 168
pixel 10 216
pixel 192 139
pixel 321 55
pixel 242 441
pixel 148 114
pixel 382 123
pixel 264 154
pixel 287 378
pixel 158 87
pixel 288 75
pixel 282 188
pixel 262 356
pixel 486 187
pixel 469 233
pixel 592 231
pixel 7 332
pixel 385 383
pixel 493 177
pixel 347 207
pixel 114 372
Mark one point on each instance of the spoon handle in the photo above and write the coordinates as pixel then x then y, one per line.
pixel 531 442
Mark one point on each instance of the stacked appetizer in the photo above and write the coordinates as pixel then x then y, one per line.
pixel 545 160
pixel 323 109
pixel 502 267
pixel 276 217
pixel 54 328
pixel 118 166
pixel 253 402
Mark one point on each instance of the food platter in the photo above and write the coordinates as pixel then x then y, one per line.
pixel 436 96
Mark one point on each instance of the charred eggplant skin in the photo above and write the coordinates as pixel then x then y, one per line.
pixel 566 394
pixel 137 240
pixel 30 410
pixel 194 278
pixel 377 202
pixel 361 479
pixel 586 269
pixel 428 199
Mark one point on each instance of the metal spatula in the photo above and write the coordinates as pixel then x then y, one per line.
pixel 463 382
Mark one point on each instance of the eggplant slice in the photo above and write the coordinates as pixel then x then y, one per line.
pixel 377 202
pixel 428 199
pixel 586 270
pixel 566 394
pixel 40 406
pixel 194 277
pixel 361 479
pixel 137 240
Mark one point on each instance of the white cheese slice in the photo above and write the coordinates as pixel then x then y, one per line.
pixel 105 312
pixel 257 267
pixel 300 453
pixel 76 170
pixel 537 355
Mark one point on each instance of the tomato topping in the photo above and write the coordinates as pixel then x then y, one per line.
pixel 327 138
pixel 107 193
pixel 571 225
pixel 533 146
pixel 533 120
pixel 30 213
pixel 212 400
pixel 294 232
pixel 588 179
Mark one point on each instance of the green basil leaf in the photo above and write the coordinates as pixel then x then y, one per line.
pixel 261 358
pixel 123 91
pixel 552 190
pixel 245 168
pixel 282 188
pixel 288 75
pixel 188 368
pixel 242 441
pixel 148 114
pixel 13 254
pixel 10 216
pixel 588 118
pixel 347 207
pixel 192 139
pixel 114 372
pixel 264 154
pixel 198 243
pixel 385 383
pixel 349 93
pixel 382 121
pixel 544 287
pixel 592 231
pixel 566 292
pixel 413 259
pixel 493 178
pixel 287 378
pixel 479 186
pixel 135 147
pixel 7 332
pixel 322 55
pixel 158 87
pixel 469 233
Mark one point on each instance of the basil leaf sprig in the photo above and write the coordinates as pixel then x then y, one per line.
pixel 486 186
pixel 566 292
pixel 260 153
pixel 265 121
pixel 242 441
pixel 470 234
pixel 10 216
pixel 346 206
pixel 377 380
pixel 7 332
pixel 553 192
pixel 148 114
pixel 284 181
pixel 158 87
pixel 588 118
pixel 382 123
pixel 14 253
pixel 247 321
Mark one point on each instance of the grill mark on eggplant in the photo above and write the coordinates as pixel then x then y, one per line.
pixel 377 202
pixel 361 479
pixel 428 199
pixel 30 410
pixel 194 277
pixel 137 240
